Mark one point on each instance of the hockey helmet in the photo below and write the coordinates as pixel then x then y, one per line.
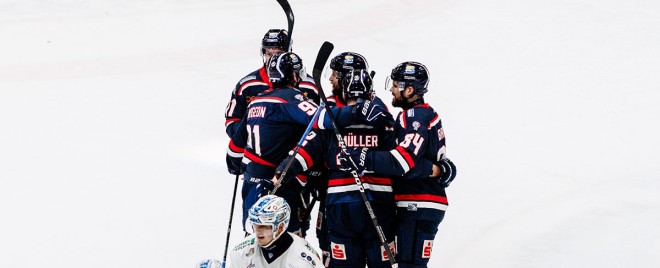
pixel 282 67
pixel 346 61
pixel 276 38
pixel 270 210
pixel 410 73
pixel 357 84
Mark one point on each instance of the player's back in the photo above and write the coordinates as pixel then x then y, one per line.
pixel 276 119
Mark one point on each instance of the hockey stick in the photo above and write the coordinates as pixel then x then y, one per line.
pixel 231 216
pixel 295 150
pixel 290 19
pixel 324 54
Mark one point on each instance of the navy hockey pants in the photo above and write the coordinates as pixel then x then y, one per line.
pixel 354 241
pixel 415 234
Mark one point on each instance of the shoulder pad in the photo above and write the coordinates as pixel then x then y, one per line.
pixel 247 78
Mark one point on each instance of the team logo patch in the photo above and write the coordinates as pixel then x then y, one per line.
pixel 338 251
pixel 299 97
pixel 410 69
pixel 294 58
pixel 426 250
pixel 416 125
pixel 348 59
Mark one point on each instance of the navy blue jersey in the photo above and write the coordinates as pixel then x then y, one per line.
pixel 249 87
pixel 420 139
pixel 275 120
pixel 321 148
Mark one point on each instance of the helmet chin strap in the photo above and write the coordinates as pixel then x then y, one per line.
pixel 275 236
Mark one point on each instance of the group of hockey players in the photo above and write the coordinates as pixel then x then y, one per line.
pixel 400 163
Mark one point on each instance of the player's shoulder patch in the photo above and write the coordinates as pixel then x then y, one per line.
pixel 247 78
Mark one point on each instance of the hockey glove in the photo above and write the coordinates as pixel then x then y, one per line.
pixel 448 172
pixel 357 155
pixel 367 111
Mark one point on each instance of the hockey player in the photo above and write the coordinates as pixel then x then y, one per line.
pixel 354 239
pixel 340 65
pixel 421 202
pixel 274 122
pixel 270 245
pixel 274 41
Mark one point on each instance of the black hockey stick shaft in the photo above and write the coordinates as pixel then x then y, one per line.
pixel 290 20
pixel 231 216
pixel 324 54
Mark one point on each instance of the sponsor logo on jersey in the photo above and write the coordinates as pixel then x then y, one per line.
pixel 303 254
pixel 412 207
pixel 257 112
pixel 426 250
pixel 383 254
pixel 338 251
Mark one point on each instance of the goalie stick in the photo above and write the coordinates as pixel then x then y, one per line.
pixel 321 59
pixel 290 19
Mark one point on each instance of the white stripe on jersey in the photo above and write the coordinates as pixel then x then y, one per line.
pixel 302 161
pixel 234 154
pixel 246 160
pixel 249 84
pixel 402 161
pixel 354 187
pixel 434 122
pixel 309 87
pixel 266 101
pixel 421 204
pixel 322 119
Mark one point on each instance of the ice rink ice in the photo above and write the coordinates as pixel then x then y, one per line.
pixel 112 140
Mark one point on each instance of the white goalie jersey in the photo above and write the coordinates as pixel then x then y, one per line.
pixel 249 254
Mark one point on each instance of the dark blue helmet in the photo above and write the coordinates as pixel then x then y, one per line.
pixel 275 38
pixel 282 67
pixel 357 84
pixel 347 61
pixel 413 74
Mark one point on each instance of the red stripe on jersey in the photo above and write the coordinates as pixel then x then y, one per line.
pixel 421 197
pixel 231 120
pixel 235 148
pixel 264 77
pixel 423 105
pixel 309 85
pixel 302 178
pixel 365 179
pixel 340 181
pixel 255 158
pixel 434 121
pixel 306 156
pixel 406 156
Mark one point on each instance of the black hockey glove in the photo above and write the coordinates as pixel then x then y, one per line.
pixel 447 172
pixel 357 155
pixel 367 111
pixel 235 166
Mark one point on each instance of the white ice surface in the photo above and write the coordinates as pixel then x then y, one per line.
pixel 112 132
